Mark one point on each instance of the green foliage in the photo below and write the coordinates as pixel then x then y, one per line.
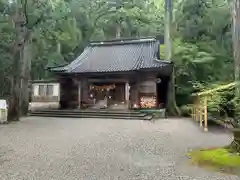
pixel 162 51
pixel 219 101
pixel 203 50
pixel 186 110
pixel 220 159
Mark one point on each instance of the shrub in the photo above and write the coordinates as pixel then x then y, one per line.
pixel 186 110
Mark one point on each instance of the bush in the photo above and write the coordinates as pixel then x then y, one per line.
pixel 186 110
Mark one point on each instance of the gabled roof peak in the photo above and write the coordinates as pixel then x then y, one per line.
pixel 122 41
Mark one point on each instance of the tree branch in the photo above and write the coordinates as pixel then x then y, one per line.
pixel 38 21
pixel 103 14
pixel 24 3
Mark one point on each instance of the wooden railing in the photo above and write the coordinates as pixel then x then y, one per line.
pixel 199 112
pixel 200 105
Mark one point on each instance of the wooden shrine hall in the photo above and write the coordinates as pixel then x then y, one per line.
pixel 116 74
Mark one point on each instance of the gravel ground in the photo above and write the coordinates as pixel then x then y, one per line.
pixel 98 149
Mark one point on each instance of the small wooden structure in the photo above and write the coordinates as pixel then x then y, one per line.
pixel 45 91
pixel 199 109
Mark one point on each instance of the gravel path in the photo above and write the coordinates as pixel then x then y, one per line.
pixel 98 149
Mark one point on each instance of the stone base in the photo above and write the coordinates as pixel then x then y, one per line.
pixel 3 116
pixel 43 105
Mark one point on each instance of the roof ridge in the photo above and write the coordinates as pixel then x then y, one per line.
pixel 123 41
pixel 126 38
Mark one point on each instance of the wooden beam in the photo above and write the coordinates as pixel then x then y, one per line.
pixel 79 94
pixel 127 94
pixel 110 80
pixel 223 87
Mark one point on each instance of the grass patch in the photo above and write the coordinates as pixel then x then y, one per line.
pixel 218 159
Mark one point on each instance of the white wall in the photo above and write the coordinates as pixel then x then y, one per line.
pixel 36 104
pixel 35 89
pixel 56 88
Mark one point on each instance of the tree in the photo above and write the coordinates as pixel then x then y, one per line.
pixel 236 43
pixel 171 104
pixel 24 24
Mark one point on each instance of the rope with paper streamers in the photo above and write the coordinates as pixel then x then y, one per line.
pixel 102 88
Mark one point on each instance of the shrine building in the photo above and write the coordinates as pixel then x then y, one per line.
pixel 121 73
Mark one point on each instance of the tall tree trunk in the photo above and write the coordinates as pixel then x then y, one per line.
pixel 19 101
pixel 15 100
pixel 171 101
pixel 26 69
pixel 236 52
pixel 235 145
pixel 236 42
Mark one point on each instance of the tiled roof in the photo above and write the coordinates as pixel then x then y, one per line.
pixel 117 56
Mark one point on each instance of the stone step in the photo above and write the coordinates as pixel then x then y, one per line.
pixel 91 111
pixel 90 116
pixel 102 114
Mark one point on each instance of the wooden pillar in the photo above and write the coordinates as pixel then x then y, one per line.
pixel 84 89
pixel 138 92
pixel 205 114
pixel 59 92
pixel 106 98
pixel 193 112
pixel 200 111
pixel 197 112
pixel 127 93
pixel 79 94
pixel 196 109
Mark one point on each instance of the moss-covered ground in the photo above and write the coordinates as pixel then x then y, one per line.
pixel 220 159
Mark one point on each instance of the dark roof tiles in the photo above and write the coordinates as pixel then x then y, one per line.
pixel 117 56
